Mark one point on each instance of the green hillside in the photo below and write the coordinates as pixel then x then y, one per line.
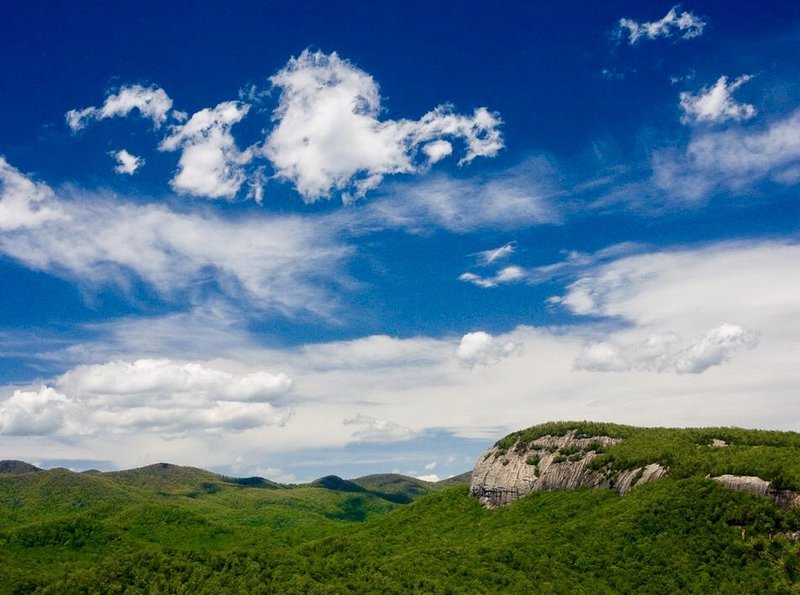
pixel 169 529
pixel 773 456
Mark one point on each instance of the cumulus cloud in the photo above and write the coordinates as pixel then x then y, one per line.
pixel 329 138
pixel 126 163
pixel 731 159
pixel 160 396
pixel 687 24
pixel 23 202
pixel 481 348
pixel 280 263
pixel 674 296
pixel 151 102
pixel 176 381
pixel 437 150
pixel 716 104
pixel 213 418
pixel 39 411
pixel 372 429
pixel 715 347
pixel 211 165
pixel 663 352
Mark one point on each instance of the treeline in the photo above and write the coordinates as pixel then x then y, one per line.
pixel 689 536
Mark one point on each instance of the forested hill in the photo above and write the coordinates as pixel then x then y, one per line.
pixel 174 529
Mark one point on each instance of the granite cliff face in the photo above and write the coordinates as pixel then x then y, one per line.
pixel 514 467
pixel 551 463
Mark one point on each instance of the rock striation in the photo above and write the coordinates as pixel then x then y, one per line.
pixel 785 499
pixel 551 463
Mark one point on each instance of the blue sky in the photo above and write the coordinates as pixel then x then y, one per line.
pixel 293 240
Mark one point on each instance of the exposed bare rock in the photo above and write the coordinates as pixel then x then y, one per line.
pixel 630 478
pixel 550 463
pixel 745 483
pixel 786 499
pixel 716 442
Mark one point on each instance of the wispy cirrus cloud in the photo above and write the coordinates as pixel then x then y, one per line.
pixel 732 159
pixel 488 257
pixel 23 202
pixel 285 264
pixel 515 198
pixel 573 263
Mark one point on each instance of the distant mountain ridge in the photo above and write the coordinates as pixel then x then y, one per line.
pixel 170 478
pixel 170 529
pixel 10 466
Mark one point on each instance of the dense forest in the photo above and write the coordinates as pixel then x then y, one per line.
pixel 169 529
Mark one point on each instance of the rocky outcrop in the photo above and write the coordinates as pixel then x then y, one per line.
pixel 745 483
pixel 785 499
pixel 630 478
pixel 551 463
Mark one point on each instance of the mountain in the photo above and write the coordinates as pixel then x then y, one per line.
pixel 18 467
pixel 165 528
pixel 569 455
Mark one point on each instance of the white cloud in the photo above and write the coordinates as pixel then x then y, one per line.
pixel 716 104
pixel 378 430
pixel 430 466
pixel 687 24
pixel 23 202
pixel 715 284
pixel 286 264
pixel 158 396
pixel 517 198
pixel 179 382
pixel 126 163
pixel 432 478
pixel 480 348
pixel 418 384
pixel 34 412
pixel 211 165
pixel 438 150
pixel 716 347
pixel 151 102
pixel 732 159
pixel 662 352
pixel 488 257
pixel 328 137
pixel 373 352
pixel 509 274
pixel 573 263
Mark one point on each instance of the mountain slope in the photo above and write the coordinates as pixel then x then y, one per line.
pixel 157 529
